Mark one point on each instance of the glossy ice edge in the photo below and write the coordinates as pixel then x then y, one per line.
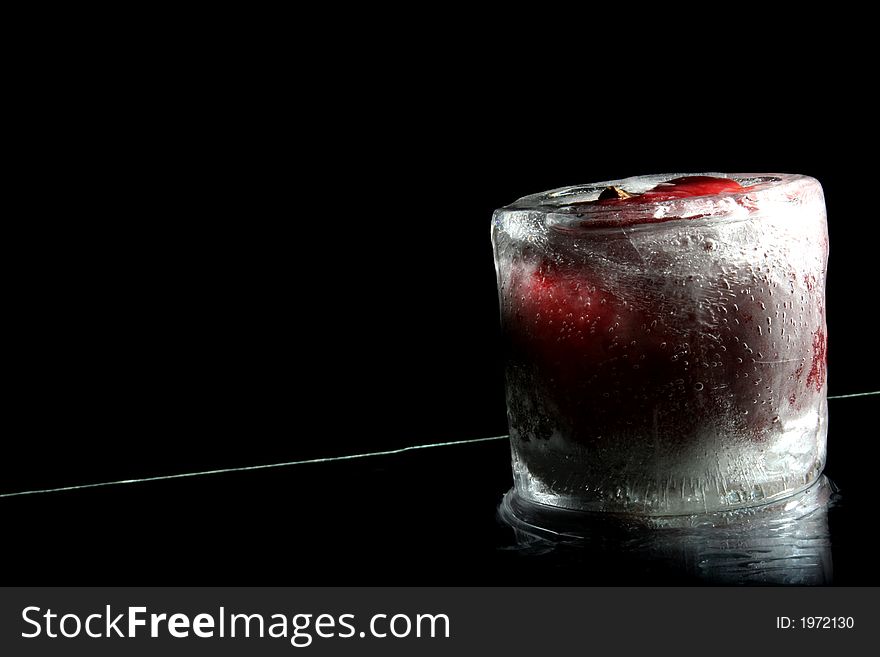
pixel 573 208
pixel 553 522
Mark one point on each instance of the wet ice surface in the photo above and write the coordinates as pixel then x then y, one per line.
pixel 786 543
pixel 574 207
pixel 667 367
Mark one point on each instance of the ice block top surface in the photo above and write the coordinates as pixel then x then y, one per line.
pixel 663 197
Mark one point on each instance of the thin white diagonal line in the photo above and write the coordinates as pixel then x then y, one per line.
pixel 856 394
pixel 326 459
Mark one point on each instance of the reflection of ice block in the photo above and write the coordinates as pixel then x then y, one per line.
pixel 783 542
pixel 665 343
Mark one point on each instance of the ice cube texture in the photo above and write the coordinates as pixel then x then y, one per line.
pixel 667 356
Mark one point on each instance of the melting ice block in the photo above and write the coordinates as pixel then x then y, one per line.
pixel 665 341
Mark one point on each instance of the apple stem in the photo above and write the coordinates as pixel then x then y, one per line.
pixel 613 192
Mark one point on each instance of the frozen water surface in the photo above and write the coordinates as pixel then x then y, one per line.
pixel 787 542
pixel 665 357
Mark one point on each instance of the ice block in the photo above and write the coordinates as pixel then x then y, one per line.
pixel 665 341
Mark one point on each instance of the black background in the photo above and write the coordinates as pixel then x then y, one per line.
pixel 212 281
pixel 232 261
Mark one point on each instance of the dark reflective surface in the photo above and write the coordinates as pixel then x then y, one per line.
pixel 787 542
pixel 425 517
